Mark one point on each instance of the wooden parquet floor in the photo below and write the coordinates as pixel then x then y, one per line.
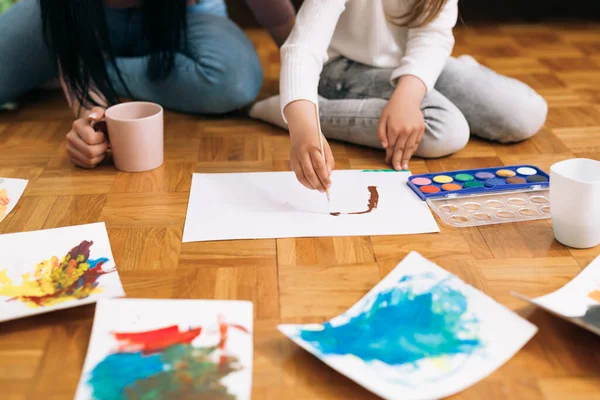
pixel 308 280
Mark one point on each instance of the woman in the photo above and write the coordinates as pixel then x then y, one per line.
pixel 185 55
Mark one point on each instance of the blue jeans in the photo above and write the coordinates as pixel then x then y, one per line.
pixel 220 71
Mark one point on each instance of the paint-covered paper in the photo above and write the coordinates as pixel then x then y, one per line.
pixel 267 205
pixel 421 333
pixel 11 191
pixel 52 269
pixel 578 301
pixel 169 349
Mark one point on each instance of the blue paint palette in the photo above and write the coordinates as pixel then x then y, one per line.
pixel 478 181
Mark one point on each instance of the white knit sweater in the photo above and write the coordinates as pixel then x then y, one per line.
pixel 358 30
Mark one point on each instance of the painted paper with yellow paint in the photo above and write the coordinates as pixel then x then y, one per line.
pixel 57 268
pixel 56 281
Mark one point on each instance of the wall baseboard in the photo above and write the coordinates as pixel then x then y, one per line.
pixel 476 11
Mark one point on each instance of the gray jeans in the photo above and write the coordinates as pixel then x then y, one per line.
pixel 468 97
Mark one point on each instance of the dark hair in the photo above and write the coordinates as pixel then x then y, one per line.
pixel 76 34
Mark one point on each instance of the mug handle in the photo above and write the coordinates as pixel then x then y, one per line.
pixel 104 129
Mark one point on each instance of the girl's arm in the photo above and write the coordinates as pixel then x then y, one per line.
pixel 401 126
pixel 275 15
pixel 429 47
pixel 305 51
pixel 302 59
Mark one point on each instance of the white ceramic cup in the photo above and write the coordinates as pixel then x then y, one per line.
pixel 135 130
pixel 575 202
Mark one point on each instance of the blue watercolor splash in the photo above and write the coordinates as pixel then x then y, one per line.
pixel 94 263
pixel 403 327
pixel 117 371
pixel 179 371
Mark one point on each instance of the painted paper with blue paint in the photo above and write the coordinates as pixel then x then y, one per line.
pixel 434 323
pixel 421 325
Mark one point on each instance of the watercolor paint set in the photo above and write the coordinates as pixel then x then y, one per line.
pixel 485 196
pixel 496 208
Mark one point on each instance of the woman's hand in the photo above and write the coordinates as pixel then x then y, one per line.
pixel 401 125
pixel 306 159
pixel 85 145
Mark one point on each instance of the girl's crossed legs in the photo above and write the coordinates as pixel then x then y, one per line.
pixel 468 97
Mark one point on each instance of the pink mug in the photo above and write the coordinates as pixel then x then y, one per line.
pixel 135 131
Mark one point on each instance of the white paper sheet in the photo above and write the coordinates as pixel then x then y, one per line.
pixel 32 281
pixel 275 205
pixel 184 354
pixel 11 191
pixel 578 301
pixel 421 333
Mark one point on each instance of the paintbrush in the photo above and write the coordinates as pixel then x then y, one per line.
pixel 322 153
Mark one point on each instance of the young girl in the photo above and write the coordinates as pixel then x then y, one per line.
pixel 389 83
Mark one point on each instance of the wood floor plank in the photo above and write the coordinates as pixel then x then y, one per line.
pixel 145 210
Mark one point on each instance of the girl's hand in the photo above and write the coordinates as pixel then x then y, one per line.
pixel 306 159
pixel 401 125
pixel 86 146
pixel 400 131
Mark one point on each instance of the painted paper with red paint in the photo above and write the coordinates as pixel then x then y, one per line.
pixel 186 350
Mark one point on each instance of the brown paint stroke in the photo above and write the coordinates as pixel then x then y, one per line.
pixel 373 202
